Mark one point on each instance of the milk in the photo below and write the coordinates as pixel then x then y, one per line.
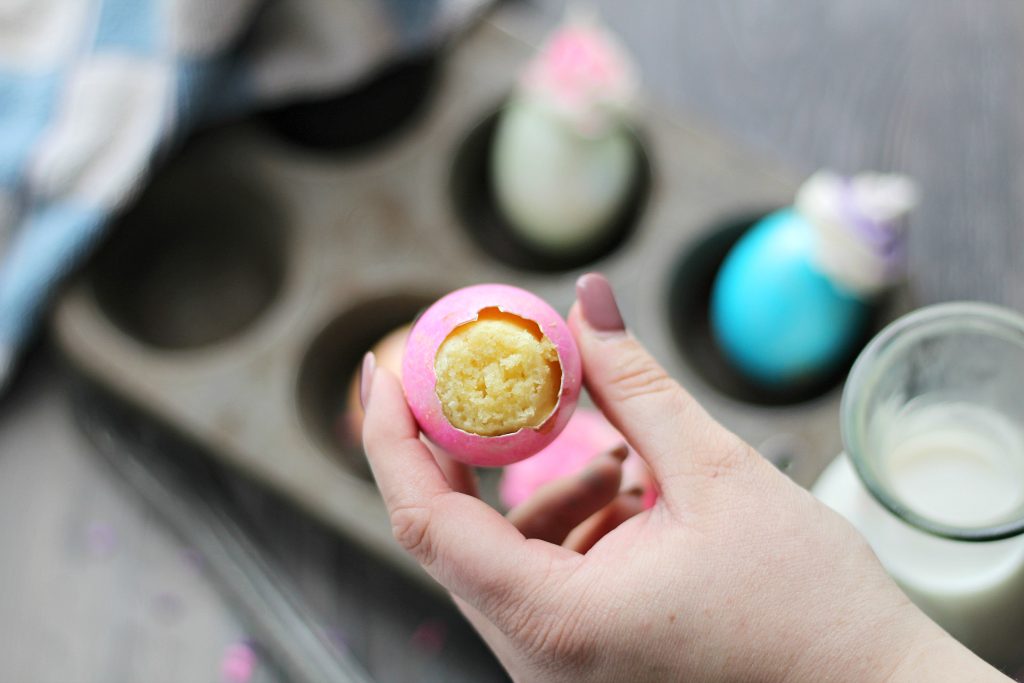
pixel 961 465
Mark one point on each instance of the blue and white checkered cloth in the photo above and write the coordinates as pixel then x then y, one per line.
pixel 91 91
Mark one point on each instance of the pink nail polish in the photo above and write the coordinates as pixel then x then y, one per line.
pixel 366 378
pixel 597 303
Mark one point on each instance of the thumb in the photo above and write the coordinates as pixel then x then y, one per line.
pixel 659 418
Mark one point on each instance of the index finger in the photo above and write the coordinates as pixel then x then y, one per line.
pixel 670 430
pixel 462 542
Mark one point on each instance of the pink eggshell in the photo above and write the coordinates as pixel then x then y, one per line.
pixel 587 434
pixel 419 379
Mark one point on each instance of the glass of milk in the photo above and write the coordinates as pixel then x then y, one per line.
pixel 933 474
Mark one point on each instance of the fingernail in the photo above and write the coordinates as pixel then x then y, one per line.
pixel 597 303
pixel 596 471
pixel 619 452
pixel 366 378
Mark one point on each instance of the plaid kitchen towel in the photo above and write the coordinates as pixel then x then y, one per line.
pixel 92 90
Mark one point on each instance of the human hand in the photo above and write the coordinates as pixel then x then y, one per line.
pixel 736 573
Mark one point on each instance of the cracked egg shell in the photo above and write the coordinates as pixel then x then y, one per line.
pixel 491 373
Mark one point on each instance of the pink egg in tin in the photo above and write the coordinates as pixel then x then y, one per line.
pixel 491 373
pixel 586 435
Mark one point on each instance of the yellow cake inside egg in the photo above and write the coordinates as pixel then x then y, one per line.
pixel 497 374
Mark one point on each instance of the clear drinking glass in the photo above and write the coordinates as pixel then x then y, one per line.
pixel 933 417
pixel 933 474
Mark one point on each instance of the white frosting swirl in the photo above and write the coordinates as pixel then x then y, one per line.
pixel 860 226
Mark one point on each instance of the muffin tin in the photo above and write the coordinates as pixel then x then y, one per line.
pixel 246 282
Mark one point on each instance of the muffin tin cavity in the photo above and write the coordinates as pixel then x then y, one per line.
pixel 332 362
pixel 477 209
pixel 370 113
pixel 197 259
pixel 688 313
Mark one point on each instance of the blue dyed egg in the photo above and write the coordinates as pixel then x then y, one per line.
pixel 774 315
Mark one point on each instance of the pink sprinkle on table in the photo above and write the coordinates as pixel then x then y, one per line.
pixel 430 636
pixel 101 539
pixel 239 663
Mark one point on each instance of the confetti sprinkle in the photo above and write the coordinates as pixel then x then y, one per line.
pixel 338 639
pixel 194 559
pixel 168 606
pixel 101 539
pixel 238 663
pixel 430 636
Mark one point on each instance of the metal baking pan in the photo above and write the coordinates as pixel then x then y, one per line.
pixel 240 291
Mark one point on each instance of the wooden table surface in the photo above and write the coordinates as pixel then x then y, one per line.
pixel 93 587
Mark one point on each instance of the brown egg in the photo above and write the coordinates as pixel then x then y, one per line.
pixel 389 351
